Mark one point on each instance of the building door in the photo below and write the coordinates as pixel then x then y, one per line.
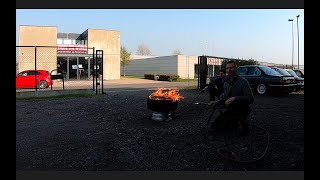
pixel 73 68
pixel 63 61
pixel 210 71
pixel 83 68
pixel 76 68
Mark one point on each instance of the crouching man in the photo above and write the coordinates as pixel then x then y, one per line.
pixel 234 103
pixel 216 87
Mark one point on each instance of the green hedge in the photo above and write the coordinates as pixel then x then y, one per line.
pixel 149 76
pixel 168 77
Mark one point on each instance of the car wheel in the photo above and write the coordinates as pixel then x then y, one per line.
pixel 43 84
pixel 261 88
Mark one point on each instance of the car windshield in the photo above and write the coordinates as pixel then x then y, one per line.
pixel 269 71
pixel 283 72
pixel 298 73
pixel 292 73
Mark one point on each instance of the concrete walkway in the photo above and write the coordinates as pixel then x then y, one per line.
pixel 123 84
pixel 144 83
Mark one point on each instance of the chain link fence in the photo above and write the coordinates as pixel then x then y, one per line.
pixel 35 65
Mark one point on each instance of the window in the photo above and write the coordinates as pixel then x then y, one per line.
pixel 59 41
pixel 269 71
pixel 32 73
pixel 298 73
pixel 23 74
pixel 242 71
pixel 292 73
pixel 283 72
pixel 253 71
pixel 67 41
pixel 81 41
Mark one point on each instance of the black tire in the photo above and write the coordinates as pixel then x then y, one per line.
pixel 261 88
pixel 43 85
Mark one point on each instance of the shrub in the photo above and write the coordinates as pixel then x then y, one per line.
pixel 168 77
pixel 149 76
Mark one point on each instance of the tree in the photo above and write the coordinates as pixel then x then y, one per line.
pixel 143 50
pixel 240 62
pixel 177 52
pixel 247 62
pixel 125 58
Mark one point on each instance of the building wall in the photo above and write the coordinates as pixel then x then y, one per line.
pixel 109 42
pixel 156 65
pixel 186 66
pixel 37 36
pixel 182 65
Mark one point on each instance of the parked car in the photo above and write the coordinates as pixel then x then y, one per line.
pixel 33 79
pixel 300 80
pixel 282 71
pixel 263 79
pixel 299 73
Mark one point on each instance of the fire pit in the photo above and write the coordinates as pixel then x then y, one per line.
pixel 163 103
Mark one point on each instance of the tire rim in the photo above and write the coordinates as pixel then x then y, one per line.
pixel 261 89
pixel 42 85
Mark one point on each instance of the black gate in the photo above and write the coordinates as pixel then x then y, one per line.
pixel 98 72
pixel 69 67
pixel 209 66
pixel 202 72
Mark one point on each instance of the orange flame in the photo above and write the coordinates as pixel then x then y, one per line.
pixel 166 94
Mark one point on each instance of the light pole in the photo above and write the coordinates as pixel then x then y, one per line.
pixel 298 38
pixel 292 42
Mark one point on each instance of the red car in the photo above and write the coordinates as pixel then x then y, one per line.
pixel 29 79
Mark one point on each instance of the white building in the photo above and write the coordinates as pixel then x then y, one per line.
pixel 184 66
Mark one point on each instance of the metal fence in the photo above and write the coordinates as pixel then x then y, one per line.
pixel 79 67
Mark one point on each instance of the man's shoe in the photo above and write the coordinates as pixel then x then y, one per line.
pixel 211 128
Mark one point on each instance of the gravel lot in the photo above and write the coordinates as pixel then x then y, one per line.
pixel 115 132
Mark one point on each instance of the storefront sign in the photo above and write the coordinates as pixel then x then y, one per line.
pixel 214 61
pixel 72 49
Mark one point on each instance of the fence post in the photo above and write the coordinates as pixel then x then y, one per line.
pixel 35 67
pixel 101 80
pixel 198 72
pixel 93 71
pixel 96 72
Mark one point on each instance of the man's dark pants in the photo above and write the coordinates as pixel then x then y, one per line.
pixel 232 118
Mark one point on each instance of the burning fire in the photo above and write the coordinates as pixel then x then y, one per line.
pixel 166 94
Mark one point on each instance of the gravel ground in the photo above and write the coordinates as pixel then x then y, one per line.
pixel 115 132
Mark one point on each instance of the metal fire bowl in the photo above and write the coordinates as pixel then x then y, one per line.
pixel 162 105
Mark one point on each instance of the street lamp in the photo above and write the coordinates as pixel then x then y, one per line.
pixel 298 38
pixel 292 42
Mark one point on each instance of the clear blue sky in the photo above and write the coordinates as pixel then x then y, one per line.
pixel 260 34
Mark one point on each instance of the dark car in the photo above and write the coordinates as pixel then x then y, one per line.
pixel 285 72
pixel 299 73
pixel 263 79
pixel 282 71
pixel 300 80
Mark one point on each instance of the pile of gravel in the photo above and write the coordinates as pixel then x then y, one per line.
pixel 115 132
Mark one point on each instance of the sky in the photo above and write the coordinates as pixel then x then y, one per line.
pixel 264 35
